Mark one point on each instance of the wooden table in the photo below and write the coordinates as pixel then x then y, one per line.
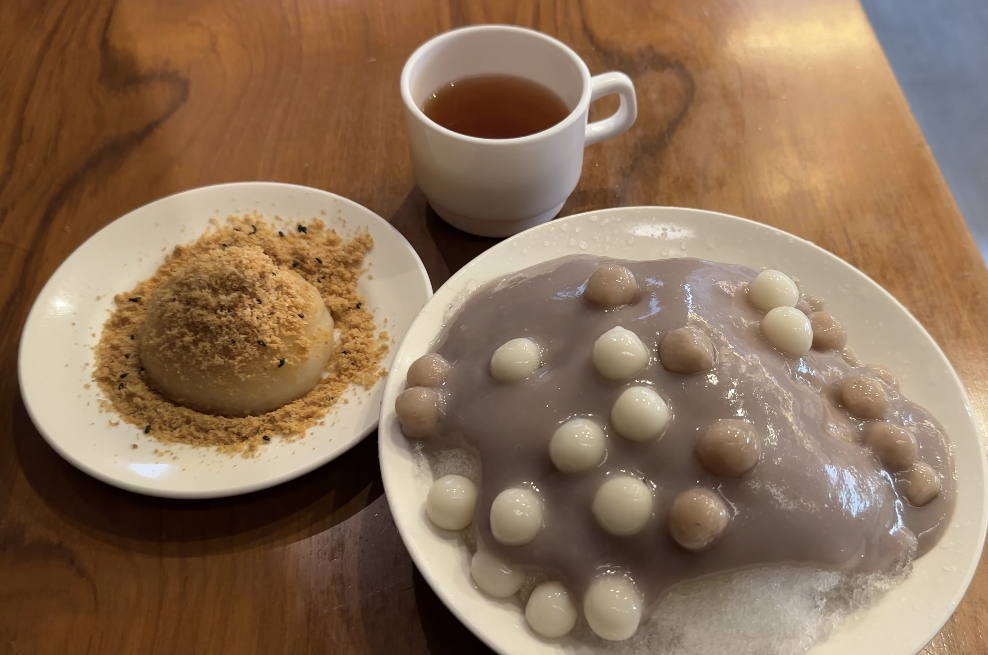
pixel 778 110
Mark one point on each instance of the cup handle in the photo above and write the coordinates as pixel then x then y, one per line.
pixel 623 118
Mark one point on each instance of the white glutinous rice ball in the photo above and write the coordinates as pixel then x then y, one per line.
pixel 516 516
pixel 493 577
pixel 623 505
pixel 771 289
pixel 577 445
pixel 640 414
pixel 550 610
pixel 516 360
pixel 451 501
pixel 619 353
pixel 613 607
pixel 788 330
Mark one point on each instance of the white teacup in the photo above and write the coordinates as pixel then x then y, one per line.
pixel 498 187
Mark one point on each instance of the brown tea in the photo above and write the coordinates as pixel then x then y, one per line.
pixel 495 107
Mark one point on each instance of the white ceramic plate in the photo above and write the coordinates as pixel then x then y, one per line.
pixel 880 329
pixel 67 318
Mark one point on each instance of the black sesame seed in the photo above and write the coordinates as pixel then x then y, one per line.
pixel 253 230
pixel 318 260
pixel 281 362
pixel 126 355
pixel 301 315
pixel 142 369
pixel 359 305
pixel 261 343
pixel 258 301
pixel 147 429
pixel 233 342
pixel 123 375
pixel 132 337
pixel 266 438
pixel 303 229
pixel 280 233
pixel 134 299
pixel 120 386
pixel 346 352
pixel 294 264
pixel 224 245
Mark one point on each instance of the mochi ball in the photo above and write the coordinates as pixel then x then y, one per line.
pixel 730 447
pixel 697 517
pixel 516 360
pixel 516 516
pixel 550 611
pixel 233 334
pixel 640 414
pixel 451 502
pixel 613 607
pixel 864 397
pixel 428 371
pixel 809 304
pixel 493 577
pixel 920 484
pixel 771 289
pixel 611 286
pixel 623 505
pixel 686 350
pixel 577 445
pixel 419 410
pixel 619 353
pixel 828 333
pixel 788 330
pixel 895 447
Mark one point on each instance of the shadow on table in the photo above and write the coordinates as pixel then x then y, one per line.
pixel 391 606
pixel 444 249
pixel 444 633
pixel 414 621
pixel 284 514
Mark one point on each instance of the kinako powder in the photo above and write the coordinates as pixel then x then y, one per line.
pixel 317 253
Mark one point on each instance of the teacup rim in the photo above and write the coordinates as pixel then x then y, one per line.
pixel 566 123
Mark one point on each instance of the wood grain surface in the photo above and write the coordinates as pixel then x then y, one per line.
pixel 782 111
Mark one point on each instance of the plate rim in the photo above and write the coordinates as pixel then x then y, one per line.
pixel 149 489
pixel 463 274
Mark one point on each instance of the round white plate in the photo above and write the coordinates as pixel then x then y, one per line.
pixel 55 359
pixel 880 329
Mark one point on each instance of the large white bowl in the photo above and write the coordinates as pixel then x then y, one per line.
pixel 55 358
pixel 880 329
